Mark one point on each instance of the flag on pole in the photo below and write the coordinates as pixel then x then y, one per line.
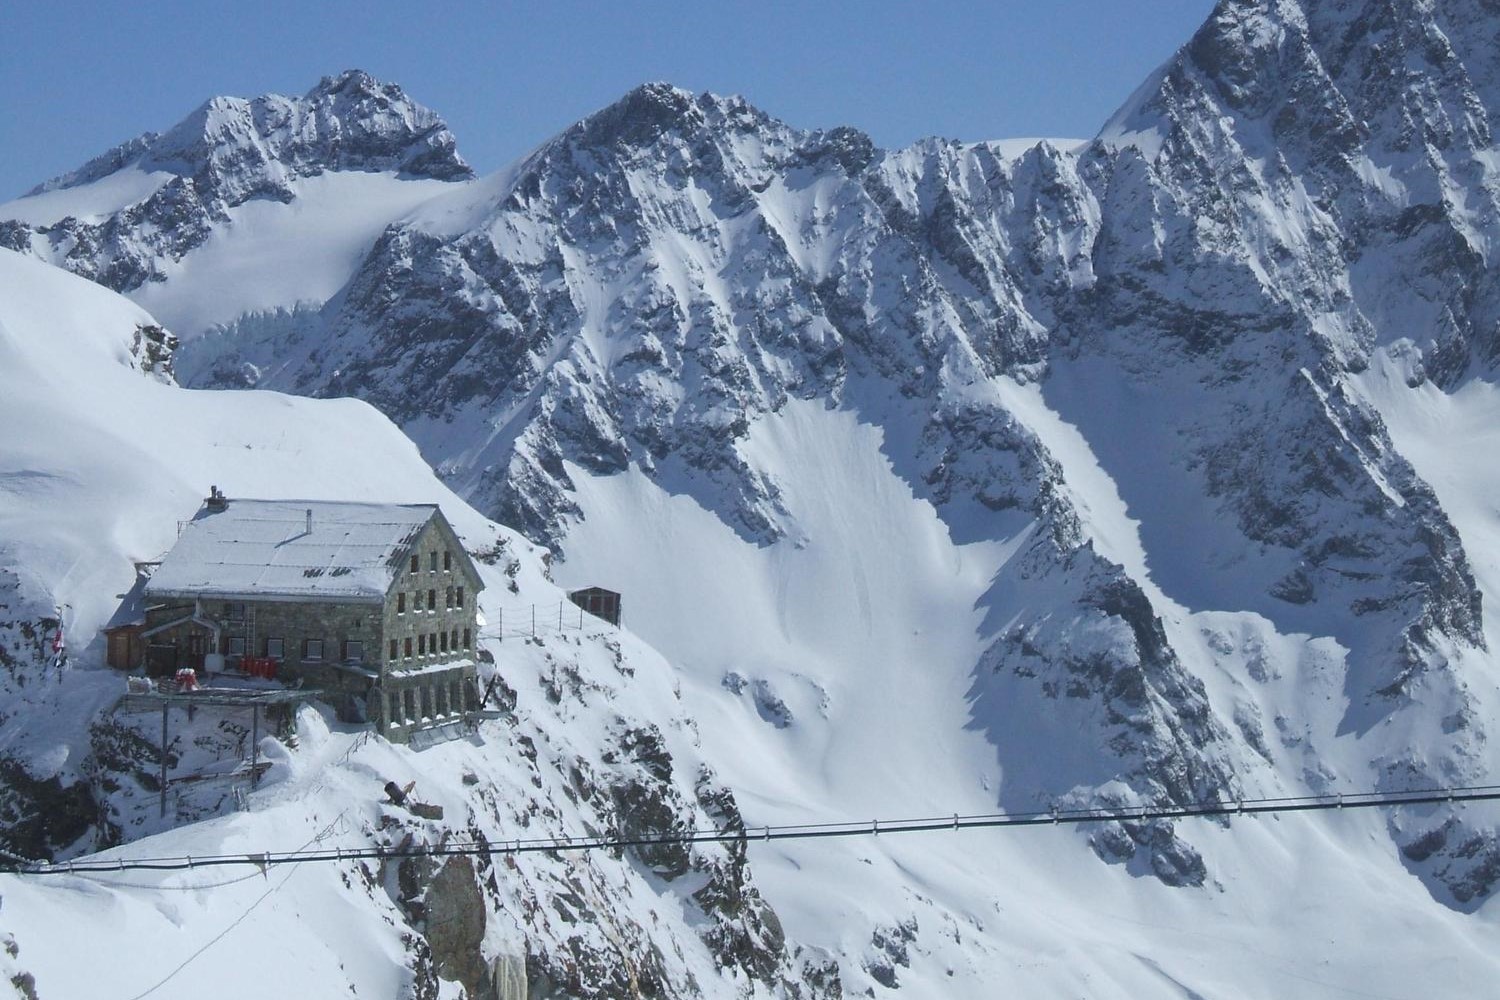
pixel 59 646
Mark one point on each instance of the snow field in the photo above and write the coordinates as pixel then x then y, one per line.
pixel 851 703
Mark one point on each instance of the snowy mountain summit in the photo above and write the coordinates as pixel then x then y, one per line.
pixel 1149 469
pixel 240 148
pixel 157 197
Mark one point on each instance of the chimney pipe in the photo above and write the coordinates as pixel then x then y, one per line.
pixel 309 520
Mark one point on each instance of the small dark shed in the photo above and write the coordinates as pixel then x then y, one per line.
pixel 598 602
pixel 123 646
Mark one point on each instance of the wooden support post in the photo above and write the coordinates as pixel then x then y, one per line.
pixel 164 708
pixel 254 745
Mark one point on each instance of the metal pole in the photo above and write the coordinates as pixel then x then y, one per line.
pixel 254 745
pixel 502 625
pixel 164 757
pixel 533 621
pixel 559 616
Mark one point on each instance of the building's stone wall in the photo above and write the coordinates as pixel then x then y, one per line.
pixel 248 628
pixel 431 616
pixel 412 701
pixel 422 609
pixel 295 623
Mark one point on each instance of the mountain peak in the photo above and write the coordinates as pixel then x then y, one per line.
pixel 1323 79
pixel 642 115
pixel 351 121
pixel 353 81
pixel 647 112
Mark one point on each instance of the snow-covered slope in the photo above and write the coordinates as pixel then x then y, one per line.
pixel 102 456
pixel 967 474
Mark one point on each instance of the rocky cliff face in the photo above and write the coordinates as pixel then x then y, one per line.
pixel 1197 292
pixel 1316 189
pixel 591 926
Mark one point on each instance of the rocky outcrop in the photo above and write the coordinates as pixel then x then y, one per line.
pixel 151 352
pixel 40 817
pixel 42 812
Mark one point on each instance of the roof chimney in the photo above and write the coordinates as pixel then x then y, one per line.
pixel 309 520
pixel 216 501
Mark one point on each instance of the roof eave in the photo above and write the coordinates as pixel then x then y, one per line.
pixel 280 597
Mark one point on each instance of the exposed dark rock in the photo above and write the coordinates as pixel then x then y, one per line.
pixel 1464 863
pixel 455 922
pixel 40 817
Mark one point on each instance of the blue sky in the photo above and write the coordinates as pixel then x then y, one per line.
pixel 81 77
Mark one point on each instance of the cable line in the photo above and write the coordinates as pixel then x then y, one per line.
pixel 316 838
pixel 798 831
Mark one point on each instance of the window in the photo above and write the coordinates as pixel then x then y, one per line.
pixel 459 601
pixel 354 651
pixel 235 612
pixel 426 701
pixel 455 696
pixel 407 648
pixel 275 648
pixel 401 603
pixel 432 561
pixel 432 600
pixel 392 655
pixel 466 638
pixel 448 598
pixel 413 563
pixel 447 561
pixel 312 649
pixel 443 641
pixel 432 644
pixel 395 700
pixel 453 642
pixel 441 692
pixel 236 645
pixel 411 704
pixel 421 645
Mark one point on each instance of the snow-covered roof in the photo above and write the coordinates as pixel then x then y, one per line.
pixel 270 549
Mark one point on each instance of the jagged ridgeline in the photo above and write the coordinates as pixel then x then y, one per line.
pixel 1147 468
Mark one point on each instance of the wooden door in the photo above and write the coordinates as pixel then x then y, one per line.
pixel 197 648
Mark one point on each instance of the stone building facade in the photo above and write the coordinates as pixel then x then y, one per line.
pixel 374 605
